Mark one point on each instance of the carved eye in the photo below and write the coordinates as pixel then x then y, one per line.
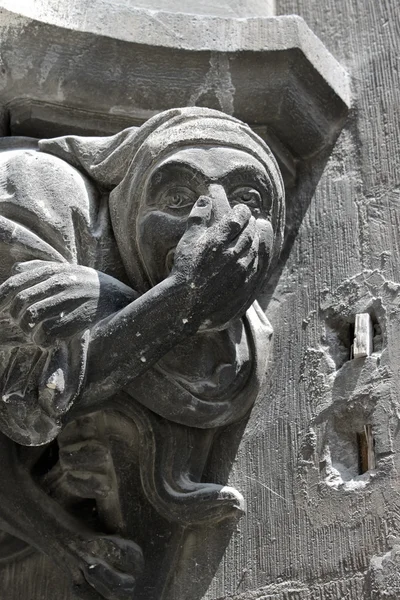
pixel 178 197
pixel 246 195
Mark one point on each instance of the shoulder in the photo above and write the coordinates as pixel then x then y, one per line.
pixel 32 158
pixel 27 174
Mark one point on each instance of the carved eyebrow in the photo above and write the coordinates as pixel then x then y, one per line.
pixel 237 172
pixel 249 172
pixel 183 169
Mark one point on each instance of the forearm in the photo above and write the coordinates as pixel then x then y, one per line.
pixel 127 343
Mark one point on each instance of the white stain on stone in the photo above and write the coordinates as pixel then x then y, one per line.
pixel 218 81
pixel 56 381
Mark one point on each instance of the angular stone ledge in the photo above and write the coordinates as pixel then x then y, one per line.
pixel 119 65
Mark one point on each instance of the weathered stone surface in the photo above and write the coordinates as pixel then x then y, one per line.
pixel 101 67
pixel 384 576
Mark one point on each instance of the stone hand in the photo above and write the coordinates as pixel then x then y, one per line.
pixel 224 260
pixel 84 468
pixel 51 301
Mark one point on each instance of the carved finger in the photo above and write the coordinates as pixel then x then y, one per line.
pixel 82 428
pixel 87 455
pixel 56 328
pixel 125 555
pixel 31 295
pixel 249 264
pixel 53 307
pixel 30 265
pixel 246 239
pixel 266 237
pixel 16 283
pixel 233 223
pixel 105 580
pixel 200 214
pixel 85 484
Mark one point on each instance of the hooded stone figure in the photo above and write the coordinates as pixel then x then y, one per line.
pixel 91 215
pixel 107 220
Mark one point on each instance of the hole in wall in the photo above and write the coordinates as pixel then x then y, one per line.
pixel 339 337
pixel 378 337
pixel 353 447
pixel 348 458
pixel 340 333
pixel 351 332
pixel 366 450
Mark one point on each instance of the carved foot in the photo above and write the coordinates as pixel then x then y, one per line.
pixel 111 565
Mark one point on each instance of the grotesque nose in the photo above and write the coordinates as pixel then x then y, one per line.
pixel 219 199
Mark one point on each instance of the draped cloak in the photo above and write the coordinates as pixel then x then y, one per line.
pixel 76 199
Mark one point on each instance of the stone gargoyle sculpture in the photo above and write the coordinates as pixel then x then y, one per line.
pixel 129 271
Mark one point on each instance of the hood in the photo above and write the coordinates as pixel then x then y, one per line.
pixel 122 163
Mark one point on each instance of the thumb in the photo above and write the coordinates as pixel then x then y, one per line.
pixel 29 265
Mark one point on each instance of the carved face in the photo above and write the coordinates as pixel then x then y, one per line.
pixel 227 175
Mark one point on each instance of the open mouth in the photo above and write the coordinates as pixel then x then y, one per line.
pixel 169 261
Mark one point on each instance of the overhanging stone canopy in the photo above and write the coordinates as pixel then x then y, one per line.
pixel 97 68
